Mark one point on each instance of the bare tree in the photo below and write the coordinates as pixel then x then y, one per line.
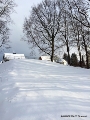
pixel 55 24
pixel 81 25
pixel 83 16
pixel 80 8
pixel 42 28
pixel 85 42
pixel 65 33
pixel 6 8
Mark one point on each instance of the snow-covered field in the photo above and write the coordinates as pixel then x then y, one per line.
pixel 41 90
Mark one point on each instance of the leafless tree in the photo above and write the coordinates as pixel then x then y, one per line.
pixel 65 28
pixel 85 42
pixel 80 11
pixel 76 15
pixel 53 24
pixel 42 28
pixel 6 8
pixel 80 23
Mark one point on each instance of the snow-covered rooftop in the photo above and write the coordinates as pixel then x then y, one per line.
pixel 41 90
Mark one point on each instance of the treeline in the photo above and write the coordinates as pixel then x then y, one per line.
pixel 56 24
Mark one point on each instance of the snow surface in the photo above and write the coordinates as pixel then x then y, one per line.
pixel 41 90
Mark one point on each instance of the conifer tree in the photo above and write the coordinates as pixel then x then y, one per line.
pixel 74 60
pixel 65 57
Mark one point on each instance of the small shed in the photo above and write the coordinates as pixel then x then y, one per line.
pixel 47 58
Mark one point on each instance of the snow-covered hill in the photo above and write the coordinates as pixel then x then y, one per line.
pixel 41 90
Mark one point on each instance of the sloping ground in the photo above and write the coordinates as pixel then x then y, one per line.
pixel 40 90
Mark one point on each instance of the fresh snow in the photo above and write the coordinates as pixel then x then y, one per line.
pixel 42 90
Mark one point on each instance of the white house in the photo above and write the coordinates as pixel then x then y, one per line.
pixel 10 56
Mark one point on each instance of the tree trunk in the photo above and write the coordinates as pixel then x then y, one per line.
pixel 80 59
pixel 87 62
pixel 68 54
pixel 52 54
pixel 78 45
pixel 67 42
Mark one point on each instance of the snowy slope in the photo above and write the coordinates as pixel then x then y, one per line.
pixel 41 90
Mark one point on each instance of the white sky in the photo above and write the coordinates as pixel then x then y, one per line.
pixel 22 10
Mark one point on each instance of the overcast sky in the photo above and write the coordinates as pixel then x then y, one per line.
pixel 22 10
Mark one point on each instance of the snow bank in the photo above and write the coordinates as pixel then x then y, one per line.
pixel 41 90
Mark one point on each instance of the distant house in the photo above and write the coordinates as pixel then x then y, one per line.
pixel 10 56
pixel 47 58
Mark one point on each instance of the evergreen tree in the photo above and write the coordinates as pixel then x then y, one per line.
pixel 65 57
pixel 74 60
